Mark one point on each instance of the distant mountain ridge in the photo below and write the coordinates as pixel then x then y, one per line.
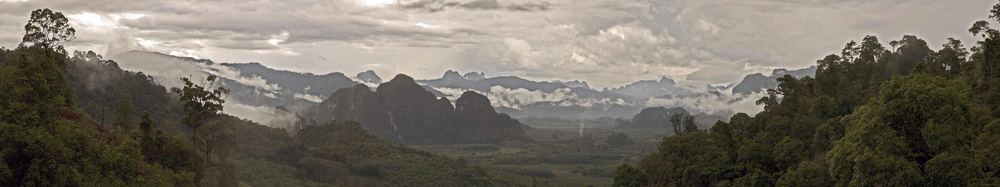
pixel 321 155
pixel 403 111
pixel 757 82
pixel 263 91
pixel 258 93
pixel 644 89
pixel 526 98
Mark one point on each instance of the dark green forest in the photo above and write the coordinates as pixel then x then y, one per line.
pixel 80 120
pixel 900 114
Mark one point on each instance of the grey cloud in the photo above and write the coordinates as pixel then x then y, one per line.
pixel 794 33
pixel 343 20
pixel 168 35
pixel 121 45
pixel 301 28
pixel 246 45
pixel 693 41
pixel 253 21
pixel 618 54
pixel 11 24
pixel 439 5
pixel 105 6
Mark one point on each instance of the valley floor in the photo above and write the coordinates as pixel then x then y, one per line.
pixel 558 154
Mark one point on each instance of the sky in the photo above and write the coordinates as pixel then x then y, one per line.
pixel 604 42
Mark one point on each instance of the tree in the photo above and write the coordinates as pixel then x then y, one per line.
pixel 683 123
pixel 806 174
pixel 34 82
pixel 690 159
pixel 789 152
pixel 910 50
pixel 986 54
pixel 755 155
pixel 947 61
pixel 202 104
pixel 952 169
pixel 986 148
pixel 907 116
pixel 888 140
pixel 48 29
pixel 675 122
pixel 123 120
pixel 146 130
pixel 627 176
pixel 44 139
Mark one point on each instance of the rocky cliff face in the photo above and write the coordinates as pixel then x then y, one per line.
pixel 359 104
pixel 404 112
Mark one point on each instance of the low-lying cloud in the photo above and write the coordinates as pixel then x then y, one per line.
pixel 167 70
pixel 516 98
pixel 714 104
pixel 267 116
pixel 309 97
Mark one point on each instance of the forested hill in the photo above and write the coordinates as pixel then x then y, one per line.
pixel 79 120
pixel 900 114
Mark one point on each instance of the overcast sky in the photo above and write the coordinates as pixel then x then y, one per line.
pixel 604 42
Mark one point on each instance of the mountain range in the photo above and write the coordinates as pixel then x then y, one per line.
pixel 403 111
pixel 758 82
pixel 272 96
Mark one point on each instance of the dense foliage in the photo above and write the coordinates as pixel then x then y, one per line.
pixel 902 115
pixel 45 141
pixel 80 120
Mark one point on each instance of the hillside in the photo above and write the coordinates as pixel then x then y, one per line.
pixel 80 120
pixel 262 94
pixel 326 154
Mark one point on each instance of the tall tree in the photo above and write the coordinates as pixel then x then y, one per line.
pixel 683 123
pixel 34 83
pixel 947 61
pixel 48 29
pixel 146 130
pixel 123 120
pixel 201 105
pixel 910 50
